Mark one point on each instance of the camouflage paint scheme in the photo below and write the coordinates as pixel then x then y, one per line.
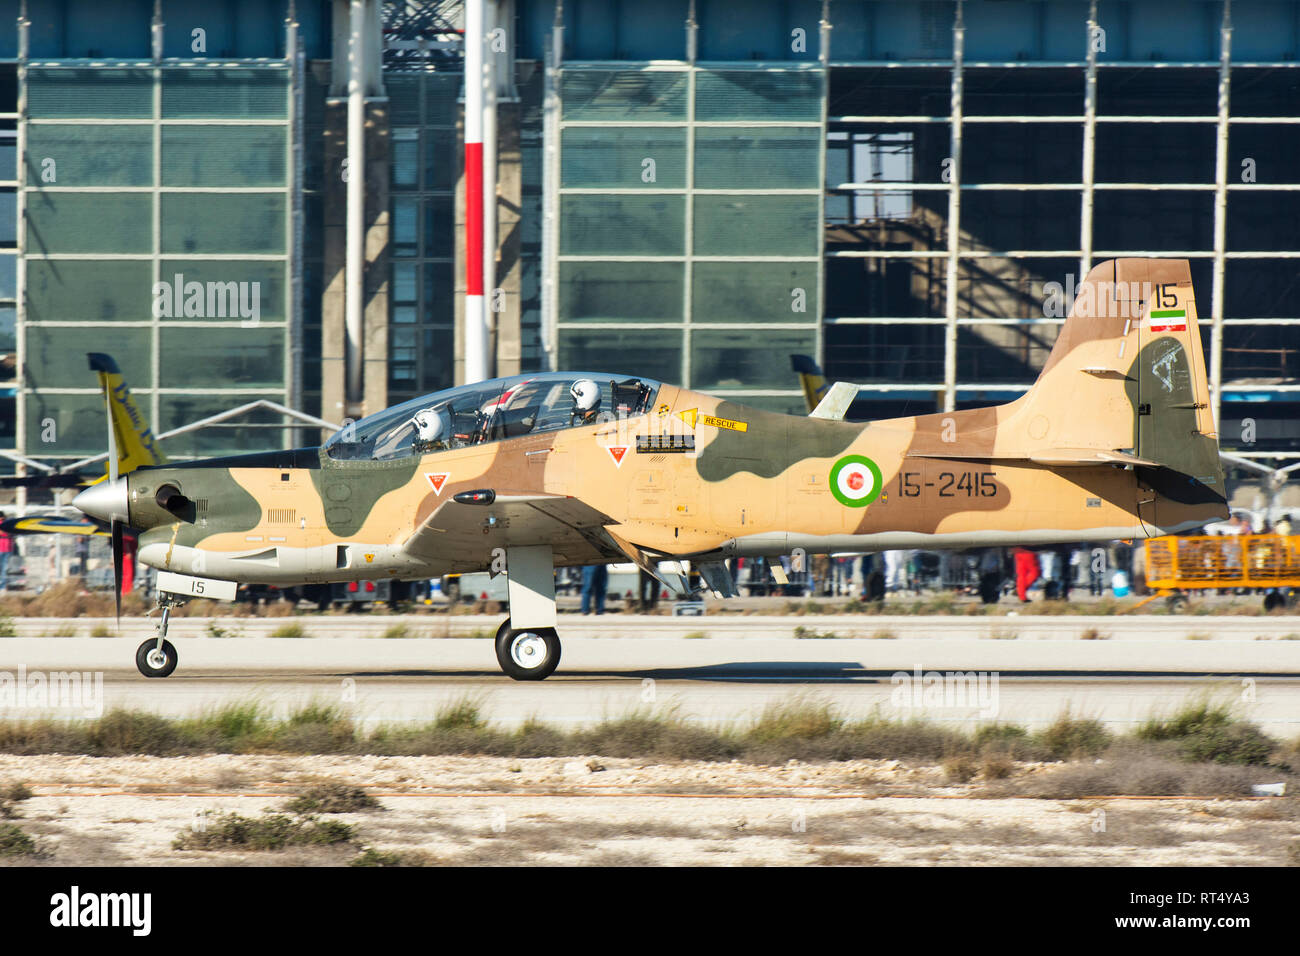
pixel 1115 440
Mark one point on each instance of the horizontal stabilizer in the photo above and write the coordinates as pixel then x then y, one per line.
pixel 1065 457
pixel 1056 457
pixel 835 403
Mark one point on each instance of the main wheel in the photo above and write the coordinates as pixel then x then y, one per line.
pixel 528 653
pixel 1274 601
pixel 155 661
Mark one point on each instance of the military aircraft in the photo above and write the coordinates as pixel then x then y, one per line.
pixel 533 472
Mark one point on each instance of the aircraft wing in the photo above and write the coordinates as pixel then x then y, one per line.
pixel 459 534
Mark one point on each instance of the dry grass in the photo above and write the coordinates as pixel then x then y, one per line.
pixel 273 831
pixel 292 629
pixel 1202 731
pixel 10 796
pixel 960 769
pixel 1070 737
pixel 373 857
pixel 14 842
pixel 332 798
pixel 1138 770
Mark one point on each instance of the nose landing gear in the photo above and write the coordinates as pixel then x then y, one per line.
pixel 157 656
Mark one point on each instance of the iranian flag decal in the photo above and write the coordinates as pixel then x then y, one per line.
pixel 1168 320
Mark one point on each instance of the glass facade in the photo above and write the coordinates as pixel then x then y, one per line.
pixel 1068 153
pixel 694 221
pixel 423 113
pixel 156 227
pixel 689 223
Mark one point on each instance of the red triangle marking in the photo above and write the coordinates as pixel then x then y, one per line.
pixel 617 452
pixel 437 481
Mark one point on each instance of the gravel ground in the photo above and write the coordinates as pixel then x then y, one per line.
pixel 596 810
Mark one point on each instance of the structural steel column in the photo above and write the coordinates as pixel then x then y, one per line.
pixel 688 218
pixel 1089 146
pixel 491 299
pixel 475 339
pixel 1220 213
pixel 355 265
pixel 954 215
pixel 824 59
pixel 551 106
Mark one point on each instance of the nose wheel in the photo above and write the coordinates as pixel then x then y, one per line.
pixel 527 653
pixel 157 656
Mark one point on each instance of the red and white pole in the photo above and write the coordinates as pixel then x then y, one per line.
pixel 475 338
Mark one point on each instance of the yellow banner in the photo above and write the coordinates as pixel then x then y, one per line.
pixel 691 416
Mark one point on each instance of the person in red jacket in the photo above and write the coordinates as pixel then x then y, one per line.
pixel 1026 572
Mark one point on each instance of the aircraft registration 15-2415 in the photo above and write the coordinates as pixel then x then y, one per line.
pixel 534 472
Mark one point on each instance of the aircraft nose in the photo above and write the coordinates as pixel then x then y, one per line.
pixel 106 500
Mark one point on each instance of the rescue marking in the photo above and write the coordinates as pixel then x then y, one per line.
pixel 692 415
pixel 617 452
pixel 437 480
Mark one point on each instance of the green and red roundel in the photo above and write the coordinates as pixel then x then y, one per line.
pixel 855 481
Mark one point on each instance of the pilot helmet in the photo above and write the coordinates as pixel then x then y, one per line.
pixel 431 424
pixel 586 394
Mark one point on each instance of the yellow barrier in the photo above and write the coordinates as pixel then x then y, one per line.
pixel 1223 561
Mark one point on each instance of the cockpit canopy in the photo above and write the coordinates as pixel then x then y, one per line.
pixel 490 411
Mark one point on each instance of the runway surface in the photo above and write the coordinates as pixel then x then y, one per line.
pixel 714 680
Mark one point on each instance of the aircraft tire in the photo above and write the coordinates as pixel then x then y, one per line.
pixel 154 663
pixel 528 653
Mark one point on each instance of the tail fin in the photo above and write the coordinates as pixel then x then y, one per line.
pixel 1127 375
pixel 1124 384
pixel 136 445
pixel 810 379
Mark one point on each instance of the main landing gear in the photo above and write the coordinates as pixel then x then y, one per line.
pixel 157 656
pixel 527 653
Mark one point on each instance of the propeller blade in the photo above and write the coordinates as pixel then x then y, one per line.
pixel 117 567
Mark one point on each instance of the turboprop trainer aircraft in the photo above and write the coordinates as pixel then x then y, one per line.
pixel 534 472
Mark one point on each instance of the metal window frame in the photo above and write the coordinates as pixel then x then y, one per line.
pixel 152 391
pixel 1223 121
pixel 421 194
pixel 555 124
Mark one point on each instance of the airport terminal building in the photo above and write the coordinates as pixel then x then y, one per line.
pixel 691 190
